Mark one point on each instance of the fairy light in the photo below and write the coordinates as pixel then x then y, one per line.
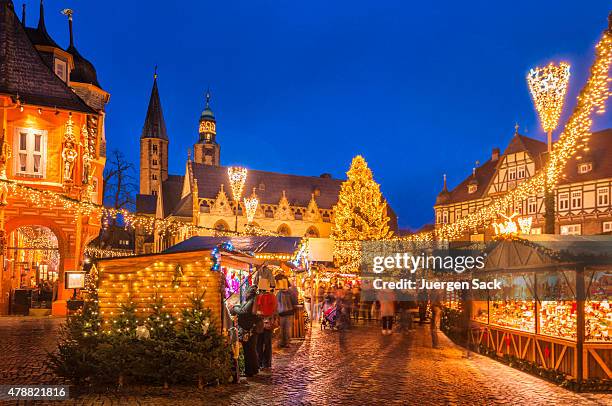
pixel 250 204
pixel 574 137
pixel 237 178
pixel 548 86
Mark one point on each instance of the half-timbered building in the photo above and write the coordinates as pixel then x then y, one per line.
pixel 582 197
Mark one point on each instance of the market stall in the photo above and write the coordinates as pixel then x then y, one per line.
pixel 174 278
pixel 555 305
pixel 283 255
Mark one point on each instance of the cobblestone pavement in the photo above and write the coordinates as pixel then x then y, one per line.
pixel 356 367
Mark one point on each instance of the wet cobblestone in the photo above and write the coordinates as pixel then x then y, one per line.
pixel 356 367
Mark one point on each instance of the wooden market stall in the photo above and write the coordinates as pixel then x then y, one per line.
pixel 289 255
pixel 174 277
pixel 555 305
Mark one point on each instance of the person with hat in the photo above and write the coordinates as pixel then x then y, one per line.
pixel 247 321
pixel 266 309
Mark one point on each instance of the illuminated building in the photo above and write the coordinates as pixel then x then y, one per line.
pixel 288 205
pixel 582 196
pixel 52 140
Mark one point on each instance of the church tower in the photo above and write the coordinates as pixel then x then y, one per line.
pixel 207 151
pixel 153 146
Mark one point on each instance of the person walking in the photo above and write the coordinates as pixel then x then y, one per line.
pixel 286 308
pixel 266 306
pixel 356 301
pixel 309 299
pixel 387 311
pixel 247 321
pixel 436 311
pixel 320 298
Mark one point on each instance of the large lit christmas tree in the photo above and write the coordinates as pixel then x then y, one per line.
pixel 361 211
pixel 359 215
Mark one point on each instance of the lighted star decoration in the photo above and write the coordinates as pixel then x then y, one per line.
pixel 548 86
pixel 237 178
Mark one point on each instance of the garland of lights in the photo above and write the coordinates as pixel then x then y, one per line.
pixel 574 137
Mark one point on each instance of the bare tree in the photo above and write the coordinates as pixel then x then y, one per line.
pixel 120 184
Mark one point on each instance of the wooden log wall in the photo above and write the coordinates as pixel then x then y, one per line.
pixel 140 279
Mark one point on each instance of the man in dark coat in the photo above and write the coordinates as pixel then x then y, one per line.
pixel 246 331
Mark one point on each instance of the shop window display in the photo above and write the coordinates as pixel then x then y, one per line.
pixel 597 309
pixel 514 306
pixel 558 307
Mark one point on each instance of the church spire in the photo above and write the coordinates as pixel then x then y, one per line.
pixel 154 125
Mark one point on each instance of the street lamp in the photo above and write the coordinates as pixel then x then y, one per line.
pixel 237 178
pixel 548 86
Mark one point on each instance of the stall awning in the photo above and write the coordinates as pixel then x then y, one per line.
pixel 254 244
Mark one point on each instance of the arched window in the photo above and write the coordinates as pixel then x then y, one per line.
pixel 312 232
pixel 284 230
pixel 221 225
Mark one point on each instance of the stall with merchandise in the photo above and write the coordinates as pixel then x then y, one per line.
pixel 555 305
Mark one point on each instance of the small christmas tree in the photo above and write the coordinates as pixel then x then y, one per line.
pixel 207 354
pixel 361 211
pixel 79 337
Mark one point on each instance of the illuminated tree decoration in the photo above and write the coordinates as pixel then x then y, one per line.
pixel 361 211
pixel 548 86
pixel 237 178
pixel 360 214
pixel 250 204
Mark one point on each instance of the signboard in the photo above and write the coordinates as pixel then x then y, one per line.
pixel 74 280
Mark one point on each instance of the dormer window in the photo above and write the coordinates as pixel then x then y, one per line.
pixel 472 188
pixel 61 69
pixel 585 167
pixel 262 187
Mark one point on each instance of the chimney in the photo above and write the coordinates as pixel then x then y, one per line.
pixel 495 154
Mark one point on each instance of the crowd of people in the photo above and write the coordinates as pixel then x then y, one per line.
pixel 271 303
pixel 351 305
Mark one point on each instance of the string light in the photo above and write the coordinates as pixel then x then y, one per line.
pixel 250 204
pixel 237 178
pixel 574 137
pixel 548 86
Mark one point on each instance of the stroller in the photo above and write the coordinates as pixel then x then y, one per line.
pixel 330 318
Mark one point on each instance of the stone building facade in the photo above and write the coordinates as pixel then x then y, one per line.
pixel 289 205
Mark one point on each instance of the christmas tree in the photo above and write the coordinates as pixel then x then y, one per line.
pixel 206 351
pixel 361 211
pixel 79 337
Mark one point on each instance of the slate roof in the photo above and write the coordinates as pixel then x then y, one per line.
pixel 171 191
pixel 154 125
pixel 600 155
pixel 39 35
pixel 298 189
pixel 254 244
pixel 146 204
pixel 23 72
pixel 600 152
pixel 484 173
pixel 84 71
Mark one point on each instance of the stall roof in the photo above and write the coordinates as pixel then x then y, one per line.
pixel 575 245
pixel 254 244
pixel 537 251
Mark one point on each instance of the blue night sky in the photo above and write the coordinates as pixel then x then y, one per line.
pixel 301 87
